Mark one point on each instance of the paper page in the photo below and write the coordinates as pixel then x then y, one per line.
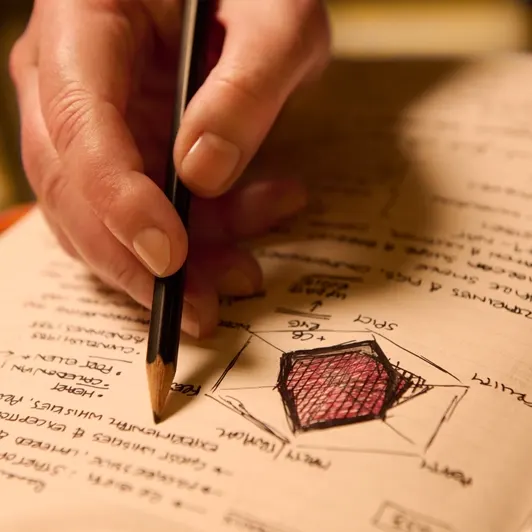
pixel 383 381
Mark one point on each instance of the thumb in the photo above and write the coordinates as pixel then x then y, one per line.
pixel 269 49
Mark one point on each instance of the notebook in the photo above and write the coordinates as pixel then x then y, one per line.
pixel 381 382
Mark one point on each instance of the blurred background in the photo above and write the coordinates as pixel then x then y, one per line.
pixel 361 29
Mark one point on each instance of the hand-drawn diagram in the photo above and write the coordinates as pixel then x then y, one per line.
pixel 343 384
pixel 370 394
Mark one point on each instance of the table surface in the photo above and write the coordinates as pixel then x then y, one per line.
pixel 13 215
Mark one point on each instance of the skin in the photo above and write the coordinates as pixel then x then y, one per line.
pixel 95 81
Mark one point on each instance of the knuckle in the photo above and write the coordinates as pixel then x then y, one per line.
pixel 103 194
pixel 67 114
pixel 247 85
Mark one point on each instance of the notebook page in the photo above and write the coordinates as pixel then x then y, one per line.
pixel 382 382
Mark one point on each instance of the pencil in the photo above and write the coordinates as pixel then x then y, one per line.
pixel 168 295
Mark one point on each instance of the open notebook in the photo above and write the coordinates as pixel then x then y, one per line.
pixel 383 381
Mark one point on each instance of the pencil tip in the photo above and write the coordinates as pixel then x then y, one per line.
pixel 160 377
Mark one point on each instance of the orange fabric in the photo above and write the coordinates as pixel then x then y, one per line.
pixel 12 215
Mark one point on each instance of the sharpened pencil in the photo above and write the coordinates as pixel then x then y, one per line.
pixel 168 295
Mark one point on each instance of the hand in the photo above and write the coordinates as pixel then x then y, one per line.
pixel 95 83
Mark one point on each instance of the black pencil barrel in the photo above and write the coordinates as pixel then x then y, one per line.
pixel 168 294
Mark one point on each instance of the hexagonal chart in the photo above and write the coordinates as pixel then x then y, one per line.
pixel 362 392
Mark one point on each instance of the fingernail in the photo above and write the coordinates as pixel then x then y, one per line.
pixel 210 163
pixel 289 205
pixel 153 247
pixel 235 283
pixel 190 321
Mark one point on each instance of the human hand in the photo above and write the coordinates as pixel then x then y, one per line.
pixel 95 83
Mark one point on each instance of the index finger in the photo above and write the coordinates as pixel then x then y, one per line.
pixel 88 52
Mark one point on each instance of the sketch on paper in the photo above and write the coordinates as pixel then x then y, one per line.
pixel 341 385
pixel 365 394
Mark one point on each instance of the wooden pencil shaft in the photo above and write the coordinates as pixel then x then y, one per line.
pixel 161 376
